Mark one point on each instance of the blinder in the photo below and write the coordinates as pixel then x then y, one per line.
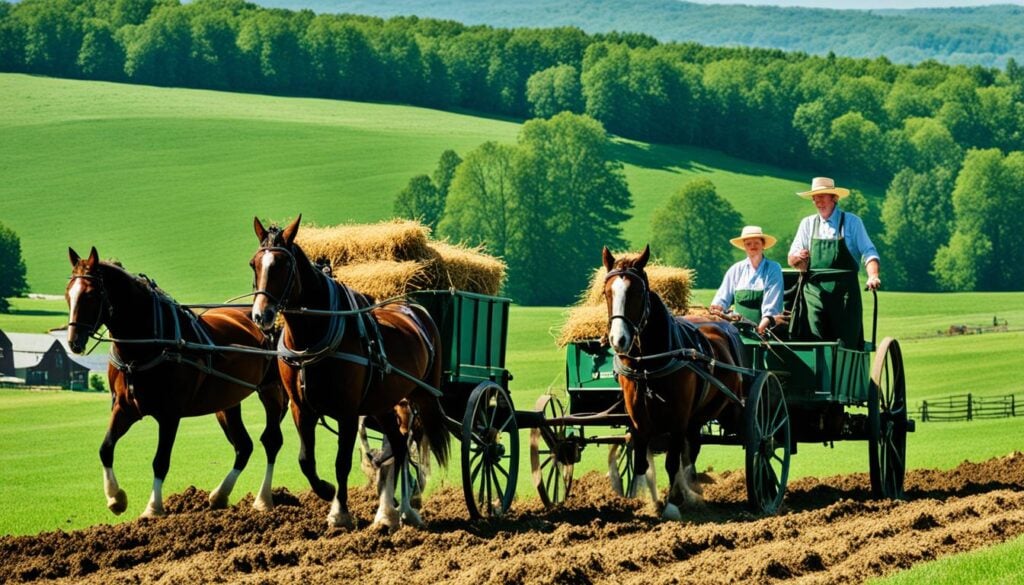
pixel 638 276
pixel 293 273
pixel 106 309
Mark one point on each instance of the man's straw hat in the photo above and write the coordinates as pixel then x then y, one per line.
pixel 821 185
pixel 753 231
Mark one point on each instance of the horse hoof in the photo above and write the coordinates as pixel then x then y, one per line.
pixel 153 512
pixel 389 521
pixel 261 505
pixel 671 512
pixel 119 503
pixel 342 520
pixel 324 490
pixel 218 501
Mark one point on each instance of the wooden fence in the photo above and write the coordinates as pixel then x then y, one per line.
pixel 970 407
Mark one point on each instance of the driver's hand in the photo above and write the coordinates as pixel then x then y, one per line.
pixel 873 283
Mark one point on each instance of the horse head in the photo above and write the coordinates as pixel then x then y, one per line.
pixel 88 305
pixel 275 272
pixel 626 293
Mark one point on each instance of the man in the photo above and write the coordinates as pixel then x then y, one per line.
pixel 831 244
pixel 753 285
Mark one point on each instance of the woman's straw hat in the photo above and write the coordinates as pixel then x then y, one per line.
pixel 753 231
pixel 821 185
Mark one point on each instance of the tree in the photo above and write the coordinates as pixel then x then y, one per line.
pixel 555 89
pixel 917 213
pixel 576 196
pixel 445 172
pixel 12 267
pixel 693 228
pixel 984 251
pixel 419 200
pixel 480 199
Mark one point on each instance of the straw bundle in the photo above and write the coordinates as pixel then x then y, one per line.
pixel 672 285
pixel 385 278
pixel 589 319
pixel 467 269
pixel 396 240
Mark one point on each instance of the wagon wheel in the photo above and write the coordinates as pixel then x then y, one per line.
pixel 490 451
pixel 620 458
pixel 551 456
pixel 887 419
pixel 767 443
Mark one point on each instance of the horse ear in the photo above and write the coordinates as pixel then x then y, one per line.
pixel 644 257
pixel 290 231
pixel 94 258
pixel 261 232
pixel 73 256
pixel 609 260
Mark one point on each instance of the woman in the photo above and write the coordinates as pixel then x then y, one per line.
pixel 754 285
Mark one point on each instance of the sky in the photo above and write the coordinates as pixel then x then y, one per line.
pixel 863 4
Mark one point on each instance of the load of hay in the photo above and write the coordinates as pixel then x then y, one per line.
pixel 589 318
pixel 395 257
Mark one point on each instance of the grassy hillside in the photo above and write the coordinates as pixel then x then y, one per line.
pixel 167 180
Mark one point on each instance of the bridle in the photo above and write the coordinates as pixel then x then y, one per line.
pixel 104 304
pixel 293 277
pixel 634 274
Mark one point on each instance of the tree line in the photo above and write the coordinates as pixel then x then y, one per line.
pixel 935 134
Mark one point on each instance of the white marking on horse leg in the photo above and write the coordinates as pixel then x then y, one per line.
pixel 689 476
pixel 219 496
pixel 671 512
pixel 155 508
pixel 387 515
pixel 117 500
pixel 618 336
pixel 265 498
pixel 407 511
pixel 337 518
pixel 613 471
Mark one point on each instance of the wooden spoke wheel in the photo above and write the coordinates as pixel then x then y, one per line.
pixel 887 421
pixel 552 457
pixel 621 457
pixel 490 451
pixel 767 443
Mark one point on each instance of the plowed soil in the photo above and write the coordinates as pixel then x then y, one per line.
pixel 830 531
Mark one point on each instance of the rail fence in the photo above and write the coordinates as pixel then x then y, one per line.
pixel 969 407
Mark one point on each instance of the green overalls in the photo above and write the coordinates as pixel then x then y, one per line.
pixel 831 297
pixel 747 302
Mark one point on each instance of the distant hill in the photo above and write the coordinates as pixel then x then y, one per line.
pixel 985 35
pixel 168 180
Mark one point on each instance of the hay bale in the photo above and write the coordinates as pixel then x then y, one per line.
pixel 384 279
pixel 468 269
pixel 672 285
pixel 589 319
pixel 584 322
pixel 395 240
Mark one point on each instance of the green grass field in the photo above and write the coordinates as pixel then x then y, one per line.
pixel 167 180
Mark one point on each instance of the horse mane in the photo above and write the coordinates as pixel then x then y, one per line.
pixel 141 280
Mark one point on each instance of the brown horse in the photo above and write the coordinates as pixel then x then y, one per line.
pixel 349 361
pixel 662 375
pixel 158 367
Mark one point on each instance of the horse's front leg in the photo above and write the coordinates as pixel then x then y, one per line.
pixel 231 422
pixel 161 463
pixel 120 421
pixel 339 517
pixel 305 424
pixel 673 467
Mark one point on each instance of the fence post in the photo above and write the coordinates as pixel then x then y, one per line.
pixel 970 406
pixel 1013 406
pixel 924 411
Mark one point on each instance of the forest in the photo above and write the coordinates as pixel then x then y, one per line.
pixel 945 139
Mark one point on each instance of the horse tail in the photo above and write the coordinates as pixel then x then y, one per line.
pixel 435 428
